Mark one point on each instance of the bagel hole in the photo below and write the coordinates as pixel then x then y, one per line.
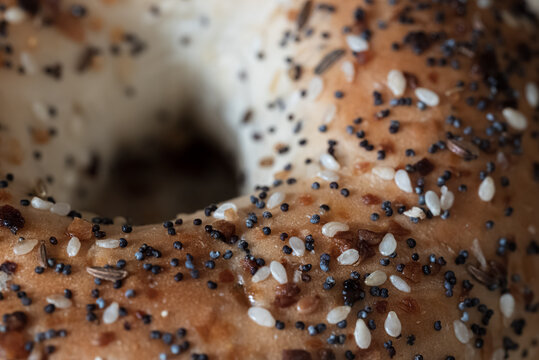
pixel 178 170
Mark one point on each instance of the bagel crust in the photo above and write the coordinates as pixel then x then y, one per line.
pixel 391 160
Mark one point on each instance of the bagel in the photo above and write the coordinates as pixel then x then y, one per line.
pixel 382 145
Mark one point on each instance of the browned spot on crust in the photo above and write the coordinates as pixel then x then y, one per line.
pixel 266 161
pixel 286 295
pixel 103 338
pixel 305 199
pixel 370 199
pixel 40 136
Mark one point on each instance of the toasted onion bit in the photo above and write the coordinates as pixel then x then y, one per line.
pixel 376 278
pixel 362 334
pixel 338 314
pixel 278 272
pixel 261 316
pixel 261 274
pixel 507 305
pixel 392 325
pixel 333 227
pixel 388 245
pixel 415 212
pixel 348 257
pixel 396 82
pixel 402 179
pixel 73 246
pixel 487 189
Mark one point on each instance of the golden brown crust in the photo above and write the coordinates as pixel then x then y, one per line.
pixel 463 283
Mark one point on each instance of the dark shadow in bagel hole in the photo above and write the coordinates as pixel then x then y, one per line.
pixel 174 172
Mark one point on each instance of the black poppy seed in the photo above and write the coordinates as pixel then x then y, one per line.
pixel 375 216
pixel 212 285
pixel 315 219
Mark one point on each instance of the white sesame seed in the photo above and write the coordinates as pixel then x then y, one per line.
pixel 384 172
pixel 396 82
pixel 14 15
pixel 402 179
pixel 111 313
pixel 388 245
pixel 433 202
pixel 164 313
pixel 24 246
pixel 349 71
pixel 297 245
pixel 275 199
pixel 478 253
pixel 357 43
pixel 487 189
pixel 59 301
pixel 328 175
pixel 316 85
pixel 348 257
pixel 261 316
pixel 507 305
pixel 415 212
pixel 532 94
pixel 461 332
pixel 60 208
pixel 73 246
pixel 278 272
pixel 484 4
pixel 333 227
pixel 4 279
pixel 376 278
pixel 330 113
pixel 427 96
pixel 297 276
pixel 108 243
pixel 362 334
pixel 40 204
pixel 392 325
pixel 329 162
pixel 447 199
pixel 27 61
pixel 221 211
pixel 338 314
pixel 261 274
pixel 399 283
pixel 498 354
pixel 515 119
pixel 40 111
